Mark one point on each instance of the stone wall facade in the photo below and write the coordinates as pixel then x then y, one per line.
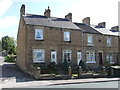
pixel 100 46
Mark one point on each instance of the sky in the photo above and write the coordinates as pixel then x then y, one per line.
pixel 97 10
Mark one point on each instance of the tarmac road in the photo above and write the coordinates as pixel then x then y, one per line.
pixel 108 84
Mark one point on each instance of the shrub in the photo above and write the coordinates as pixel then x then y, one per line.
pixel 51 68
pixel 83 65
pixel 106 63
pixel 65 66
pixel 74 70
pixel 10 58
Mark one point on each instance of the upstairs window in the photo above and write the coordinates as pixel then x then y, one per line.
pixel 38 34
pixel 108 41
pixel 89 39
pixel 66 36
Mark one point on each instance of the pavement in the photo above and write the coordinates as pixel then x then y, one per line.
pixel 12 77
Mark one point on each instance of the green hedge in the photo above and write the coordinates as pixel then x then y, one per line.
pixel 9 58
pixel 51 68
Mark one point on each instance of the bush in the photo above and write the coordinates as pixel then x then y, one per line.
pixel 10 58
pixel 106 63
pixel 83 65
pixel 52 68
pixel 65 66
pixel 74 70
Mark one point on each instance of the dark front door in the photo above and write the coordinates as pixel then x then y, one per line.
pixel 100 59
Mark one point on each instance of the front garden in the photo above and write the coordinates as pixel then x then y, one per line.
pixel 66 70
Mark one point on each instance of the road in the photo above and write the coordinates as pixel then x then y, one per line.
pixel 109 84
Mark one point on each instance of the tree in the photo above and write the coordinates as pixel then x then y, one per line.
pixel 8 45
pixel 0 45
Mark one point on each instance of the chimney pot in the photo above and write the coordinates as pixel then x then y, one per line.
pixel 47 12
pixel 22 10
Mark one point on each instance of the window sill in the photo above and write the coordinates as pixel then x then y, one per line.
pixel 90 44
pixel 67 41
pixel 39 39
pixel 91 62
pixel 38 61
pixel 112 62
pixel 109 46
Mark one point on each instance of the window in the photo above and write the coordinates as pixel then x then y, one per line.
pixel 108 41
pixel 38 55
pixel 53 56
pixel 66 36
pixel 67 55
pixel 90 57
pixel 38 34
pixel 109 56
pixel 89 38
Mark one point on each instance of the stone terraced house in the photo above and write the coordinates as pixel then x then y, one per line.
pixel 99 44
pixel 43 39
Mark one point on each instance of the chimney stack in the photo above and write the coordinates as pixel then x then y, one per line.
pixel 69 16
pixel 47 12
pixel 115 28
pixel 103 24
pixel 86 20
pixel 22 10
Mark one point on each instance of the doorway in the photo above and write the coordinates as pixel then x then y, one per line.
pixel 79 57
pixel 53 56
pixel 100 58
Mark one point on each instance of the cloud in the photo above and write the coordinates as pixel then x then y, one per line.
pixel 8 21
pixel 4 6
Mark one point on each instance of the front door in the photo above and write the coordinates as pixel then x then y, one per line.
pixel 100 59
pixel 79 57
pixel 53 56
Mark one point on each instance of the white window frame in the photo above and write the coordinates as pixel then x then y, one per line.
pixel 108 41
pixel 38 59
pixel 66 36
pixel 66 52
pixel 90 39
pixel 40 31
pixel 90 57
pixel 109 57
pixel 54 52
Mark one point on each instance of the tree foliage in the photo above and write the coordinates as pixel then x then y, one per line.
pixel 0 45
pixel 8 44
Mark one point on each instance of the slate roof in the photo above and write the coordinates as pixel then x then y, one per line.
pixel 105 31
pixel 87 28
pixel 51 22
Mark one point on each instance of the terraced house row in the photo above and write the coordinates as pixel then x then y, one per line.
pixel 43 39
